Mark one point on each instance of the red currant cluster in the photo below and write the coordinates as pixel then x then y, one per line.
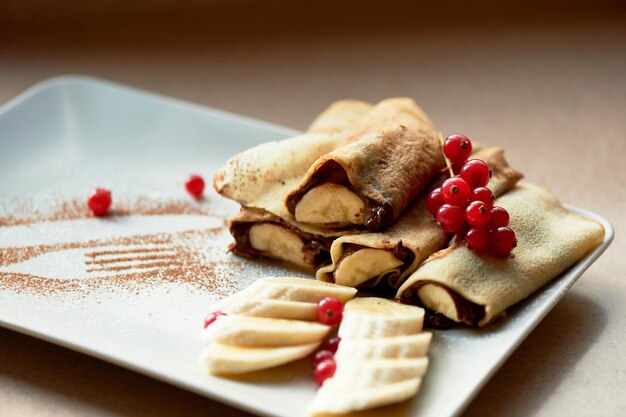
pixel 464 205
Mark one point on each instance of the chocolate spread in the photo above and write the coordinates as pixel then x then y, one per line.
pixel 467 311
pixel 377 216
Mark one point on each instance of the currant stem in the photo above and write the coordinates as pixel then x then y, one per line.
pixel 448 164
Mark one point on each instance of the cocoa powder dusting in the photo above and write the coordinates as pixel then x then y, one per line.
pixel 190 258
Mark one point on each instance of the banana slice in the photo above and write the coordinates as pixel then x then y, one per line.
pixel 224 359
pixel 376 317
pixel 246 331
pixel 412 346
pixel 330 400
pixel 296 289
pixel 280 309
pixel 376 372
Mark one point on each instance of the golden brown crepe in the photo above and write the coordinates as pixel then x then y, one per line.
pixel 387 258
pixel 259 178
pixel 379 167
pixel 476 289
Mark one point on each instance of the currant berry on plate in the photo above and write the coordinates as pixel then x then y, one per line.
pixel 455 191
pixel 434 201
pixel 502 241
pixel 331 344
pixel 324 370
pixel 195 185
pixel 477 239
pixel 499 218
pixel 476 173
pixel 451 218
pixel 329 311
pixel 457 148
pixel 477 214
pixel 99 201
pixel 212 317
pixel 321 355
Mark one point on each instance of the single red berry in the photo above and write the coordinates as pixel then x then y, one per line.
pixel 324 370
pixel 212 317
pixel 99 201
pixel 477 239
pixel 483 194
pixel 476 173
pixel 477 214
pixel 499 218
pixel 329 311
pixel 451 218
pixel 434 201
pixel 331 344
pixel 502 241
pixel 455 191
pixel 457 148
pixel 321 355
pixel 195 185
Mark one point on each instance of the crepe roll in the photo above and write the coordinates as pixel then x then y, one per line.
pixel 261 234
pixel 381 164
pixel 462 286
pixel 385 259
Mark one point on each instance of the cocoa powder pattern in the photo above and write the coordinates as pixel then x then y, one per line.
pixel 189 258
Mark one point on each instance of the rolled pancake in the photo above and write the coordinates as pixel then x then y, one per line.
pixel 260 177
pixel 476 289
pixel 379 167
pixel 387 258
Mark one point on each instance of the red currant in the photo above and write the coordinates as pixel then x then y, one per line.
pixel 212 317
pixel 329 311
pixel 99 201
pixel 476 173
pixel 321 355
pixel 499 218
pixel 456 167
pixel 331 344
pixel 455 191
pixel 477 214
pixel 483 194
pixel 477 239
pixel 324 370
pixel 195 185
pixel 451 218
pixel 502 241
pixel 434 201
pixel 457 148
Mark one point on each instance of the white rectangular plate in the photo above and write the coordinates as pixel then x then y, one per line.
pixel 66 136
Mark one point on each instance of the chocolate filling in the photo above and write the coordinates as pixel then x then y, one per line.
pixel 377 215
pixel 317 248
pixel 389 282
pixel 468 312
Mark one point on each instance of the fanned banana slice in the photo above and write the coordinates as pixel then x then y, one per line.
pixel 292 310
pixel 270 323
pixel 225 359
pixel 246 331
pixel 376 317
pixel 411 346
pixel 341 401
pixel 381 357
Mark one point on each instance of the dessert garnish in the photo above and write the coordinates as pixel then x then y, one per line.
pixel 381 358
pixel 195 185
pixel 99 201
pixel 464 205
pixel 274 321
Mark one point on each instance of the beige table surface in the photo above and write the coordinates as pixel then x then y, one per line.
pixel 550 88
